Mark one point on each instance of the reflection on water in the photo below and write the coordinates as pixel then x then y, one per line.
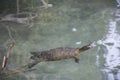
pixel 118 1
pixel 111 42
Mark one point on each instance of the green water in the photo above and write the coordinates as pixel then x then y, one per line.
pixel 68 23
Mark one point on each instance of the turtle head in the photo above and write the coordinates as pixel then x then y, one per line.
pixel 86 47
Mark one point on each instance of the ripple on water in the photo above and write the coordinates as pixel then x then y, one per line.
pixel 111 42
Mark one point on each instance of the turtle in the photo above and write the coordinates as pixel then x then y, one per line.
pixel 57 54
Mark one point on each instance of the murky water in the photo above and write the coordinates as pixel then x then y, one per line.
pixel 67 25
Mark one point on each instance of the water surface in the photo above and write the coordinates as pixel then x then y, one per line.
pixel 67 24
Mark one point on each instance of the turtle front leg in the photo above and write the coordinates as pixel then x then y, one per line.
pixel 76 58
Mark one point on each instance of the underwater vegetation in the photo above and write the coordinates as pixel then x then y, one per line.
pixel 4 70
